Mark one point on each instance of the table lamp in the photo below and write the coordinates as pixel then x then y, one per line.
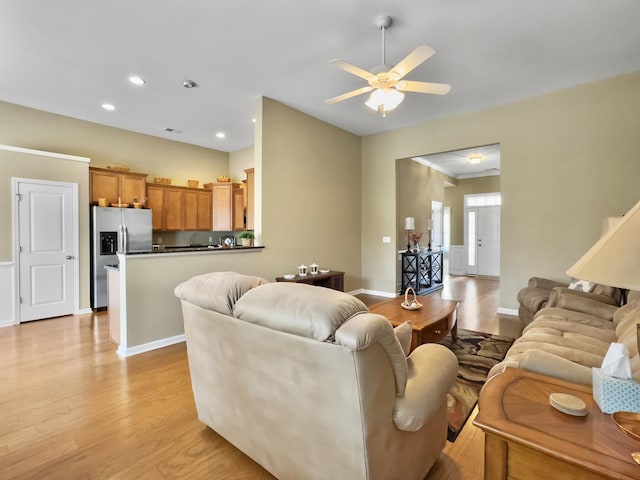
pixel 409 225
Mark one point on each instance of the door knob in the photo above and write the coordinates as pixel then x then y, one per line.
pixel 69 257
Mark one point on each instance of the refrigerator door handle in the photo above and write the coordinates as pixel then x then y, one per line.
pixel 123 237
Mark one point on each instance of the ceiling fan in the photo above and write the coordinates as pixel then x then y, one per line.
pixel 386 83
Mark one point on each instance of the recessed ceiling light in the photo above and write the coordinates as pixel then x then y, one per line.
pixel 108 106
pixel 475 158
pixel 221 135
pixel 253 120
pixel 136 80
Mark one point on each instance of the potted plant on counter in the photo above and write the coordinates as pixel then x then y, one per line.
pixel 246 238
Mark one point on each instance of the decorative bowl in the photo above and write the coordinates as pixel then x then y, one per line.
pixel 289 276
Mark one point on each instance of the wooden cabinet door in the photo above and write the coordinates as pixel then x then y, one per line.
pixel 173 211
pixel 250 197
pixel 133 187
pixel 190 210
pixel 103 184
pixel 222 207
pixel 155 201
pixel 238 206
pixel 205 205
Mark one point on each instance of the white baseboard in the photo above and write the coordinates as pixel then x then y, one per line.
pixel 82 311
pixel 146 347
pixel 508 311
pixel 373 292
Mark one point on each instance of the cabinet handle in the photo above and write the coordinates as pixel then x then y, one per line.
pixel 437 332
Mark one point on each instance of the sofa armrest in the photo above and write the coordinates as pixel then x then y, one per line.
pixel 545 283
pixel 597 305
pixel 432 370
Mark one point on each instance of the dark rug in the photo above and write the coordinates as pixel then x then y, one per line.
pixel 476 352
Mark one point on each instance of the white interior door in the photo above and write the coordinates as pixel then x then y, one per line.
pixel 488 231
pixel 46 249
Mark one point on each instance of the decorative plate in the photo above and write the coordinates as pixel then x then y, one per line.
pixel 569 404
pixel 325 271
pixel 629 423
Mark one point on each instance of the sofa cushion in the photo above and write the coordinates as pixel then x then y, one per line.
pixel 304 310
pixel 217 291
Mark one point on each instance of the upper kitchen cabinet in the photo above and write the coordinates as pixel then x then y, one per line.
pixel 238 193
pixel 250 198
pixel 116 186
pixel 179 208
pixel 222 207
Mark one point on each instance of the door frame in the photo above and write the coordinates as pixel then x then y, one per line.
pixel 15 183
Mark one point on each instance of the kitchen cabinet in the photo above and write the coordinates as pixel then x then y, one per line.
pixel 114 186
pixel 197 207
pixel 238 193
pixel 250 198
pixel 222 205
pixel 179 208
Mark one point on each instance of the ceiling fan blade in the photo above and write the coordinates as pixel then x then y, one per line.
pixel 350 94
pixel 423 87
pixel 411 61
pixel 352 69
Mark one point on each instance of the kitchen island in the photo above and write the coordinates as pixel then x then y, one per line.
pixel 150 314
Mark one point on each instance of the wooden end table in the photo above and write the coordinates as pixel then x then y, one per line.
pixel 526 438
pixel 434 321
pixel 331 279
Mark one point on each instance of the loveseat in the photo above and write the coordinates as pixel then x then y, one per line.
pixel 310 384
pixel 572 334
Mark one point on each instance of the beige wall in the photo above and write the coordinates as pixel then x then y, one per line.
pixel 309 176
pixel 38 130
pixel 569 159
pixel 416 186
pixel 239 161
pixel 454 198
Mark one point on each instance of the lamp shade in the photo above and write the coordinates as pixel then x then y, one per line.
pixel 409 223
pixel 614 260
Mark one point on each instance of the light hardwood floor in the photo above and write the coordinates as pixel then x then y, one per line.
pixel 71 408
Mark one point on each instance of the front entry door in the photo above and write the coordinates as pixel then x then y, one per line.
pixel 46 249
pixel 489 241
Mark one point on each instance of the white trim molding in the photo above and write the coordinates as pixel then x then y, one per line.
pixel 508 311
pixel 123 351
pixel 42 153
pixel 7 294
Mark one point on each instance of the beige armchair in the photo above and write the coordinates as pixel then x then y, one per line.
pixel 311 385
pixel 538 293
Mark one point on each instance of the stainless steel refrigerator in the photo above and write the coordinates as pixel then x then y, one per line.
pixel 115 230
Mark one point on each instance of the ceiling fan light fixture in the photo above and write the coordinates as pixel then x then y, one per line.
pixel 384 100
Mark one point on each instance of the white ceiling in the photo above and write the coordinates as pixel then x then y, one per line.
pixel 456 164
pixel 70 56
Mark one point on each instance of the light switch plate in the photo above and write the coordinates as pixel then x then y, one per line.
pixel 386 239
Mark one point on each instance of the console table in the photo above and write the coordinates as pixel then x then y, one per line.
pixel 526 438
pixel 421 271
pixel 334 280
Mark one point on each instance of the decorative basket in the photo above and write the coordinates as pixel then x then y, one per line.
pixel 119 168
pixel 412 304
pixel 223 179
pixel 162 180
pixel 193 183
pixel 208 186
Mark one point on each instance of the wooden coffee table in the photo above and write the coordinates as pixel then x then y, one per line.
pixel 526 438
pixel 434 321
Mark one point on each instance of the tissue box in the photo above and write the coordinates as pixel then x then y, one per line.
pixel 615 395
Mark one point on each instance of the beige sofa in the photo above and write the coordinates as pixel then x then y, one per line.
pixel 535 296
pixel 572 334
pixel 309 384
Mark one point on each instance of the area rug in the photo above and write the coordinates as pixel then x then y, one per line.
pixel 476 352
